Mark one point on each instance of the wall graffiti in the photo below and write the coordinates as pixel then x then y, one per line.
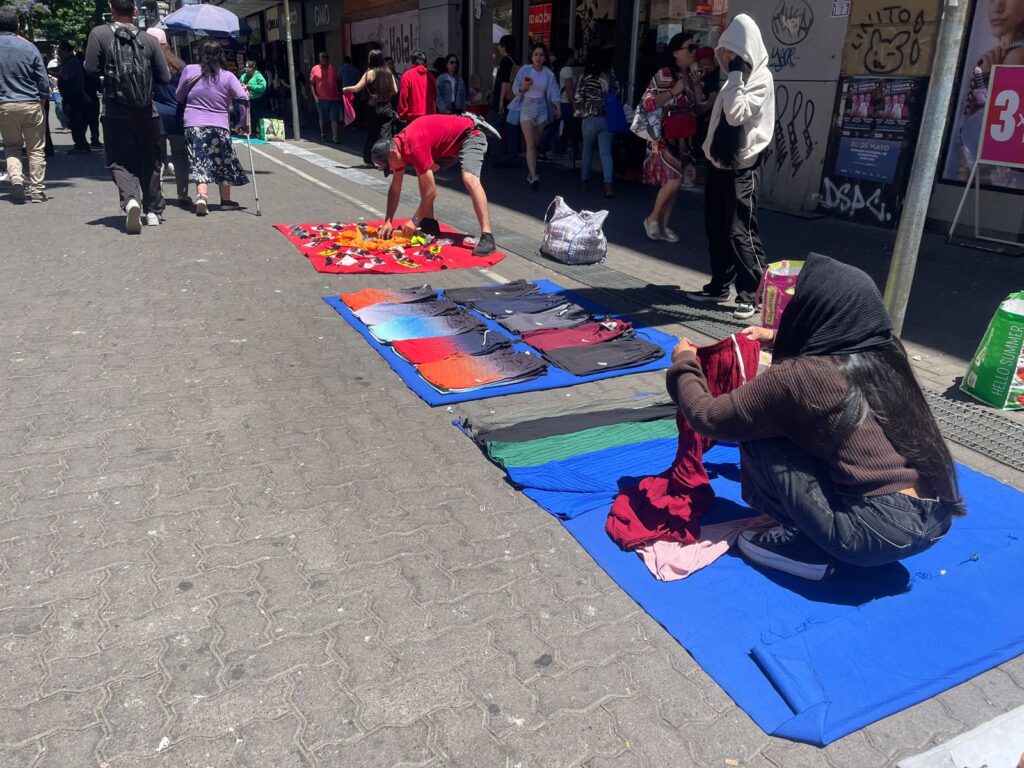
pixel 792 21
pixel 783 58
pixel 888 37
pixel 850 200
pixel 793 143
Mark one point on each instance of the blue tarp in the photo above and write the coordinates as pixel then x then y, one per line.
pixel 814 661
pixel 553 379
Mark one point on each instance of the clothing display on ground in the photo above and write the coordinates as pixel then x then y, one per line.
pixel 609 356
pixel 566 315
pixel 385 311
pixel 577 336
pixel 431 349
pixel 420 327
pixel 549 426
pixel 368 296
pixel 668 506
pixel 468 296
pixel 672 561
pixel 463 372
pixel 508 305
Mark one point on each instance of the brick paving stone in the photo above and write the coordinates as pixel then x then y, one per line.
pixel 135 715
pixel 65 748
pixel 272 742
pixel 461 738
pixel 191 666
pixel 401 747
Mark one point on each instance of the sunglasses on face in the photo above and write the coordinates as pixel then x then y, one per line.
pixel 453 63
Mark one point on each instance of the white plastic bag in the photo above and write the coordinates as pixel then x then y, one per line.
pixel 573 237
pixel 646 125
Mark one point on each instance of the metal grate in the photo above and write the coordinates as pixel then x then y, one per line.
pixel 979 428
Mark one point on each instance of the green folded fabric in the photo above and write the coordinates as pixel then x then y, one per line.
pixel 535 452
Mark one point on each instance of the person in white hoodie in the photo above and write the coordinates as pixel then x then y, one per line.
pixel 741 127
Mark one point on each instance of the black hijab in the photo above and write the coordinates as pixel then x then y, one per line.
pixel 835 310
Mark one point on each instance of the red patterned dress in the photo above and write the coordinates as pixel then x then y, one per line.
pixel 668 160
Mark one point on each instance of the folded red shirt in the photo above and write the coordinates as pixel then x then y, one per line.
pixel 579 336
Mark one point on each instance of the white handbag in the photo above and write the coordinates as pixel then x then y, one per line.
pixel 646 125
pixel 573 237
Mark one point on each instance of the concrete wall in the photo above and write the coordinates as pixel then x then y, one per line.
pixel 806 45
pixel 440 28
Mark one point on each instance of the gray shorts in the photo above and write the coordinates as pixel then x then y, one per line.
pixel 534 111
pixel 471 153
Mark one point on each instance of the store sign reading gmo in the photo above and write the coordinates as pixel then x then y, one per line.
pixel 322 14
pixel 1002 138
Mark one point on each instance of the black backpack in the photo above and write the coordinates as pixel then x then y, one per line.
pixel 128 71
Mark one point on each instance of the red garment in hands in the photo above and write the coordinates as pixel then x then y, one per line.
pixel 668 506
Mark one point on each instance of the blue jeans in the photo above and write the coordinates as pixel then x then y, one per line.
pixel 783 481
pixel 597 128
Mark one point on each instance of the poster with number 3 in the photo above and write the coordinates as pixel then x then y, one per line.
pixel 1002 138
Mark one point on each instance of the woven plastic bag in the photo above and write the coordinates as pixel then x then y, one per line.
pixel 273 128
pixel 996 373
pixel 573 237
pixel 778 283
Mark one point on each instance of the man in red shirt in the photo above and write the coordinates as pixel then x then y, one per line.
pixel 417 92
pixel 326 85
pixel 429 144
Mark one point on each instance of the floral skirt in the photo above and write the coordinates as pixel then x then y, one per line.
pixel 213 158
pixel 667 161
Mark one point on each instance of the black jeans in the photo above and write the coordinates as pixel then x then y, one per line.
pixel 730 221
pixel 379 125
pixel 74 109
pixel 792 486
pixel 134 155
pixel 92 117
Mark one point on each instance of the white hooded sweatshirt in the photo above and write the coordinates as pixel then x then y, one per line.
pixel 749 104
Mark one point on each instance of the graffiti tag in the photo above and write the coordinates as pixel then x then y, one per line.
pixel 793 144
pixel 792 21
pixel 849 200
pixel 885 49
pixel 783 58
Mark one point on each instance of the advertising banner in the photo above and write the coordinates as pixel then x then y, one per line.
pixel 871 153
pixel 540 23
pixel 996 37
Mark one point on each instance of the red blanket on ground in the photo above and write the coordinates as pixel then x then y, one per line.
pixel 668 507
pixel 331 248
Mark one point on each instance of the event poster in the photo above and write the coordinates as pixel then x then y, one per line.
pixel 996 37
pixel 870 154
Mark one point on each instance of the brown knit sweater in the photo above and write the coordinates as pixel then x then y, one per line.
pixel 801 399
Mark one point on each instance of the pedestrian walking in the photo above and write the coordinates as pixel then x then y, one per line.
pixel 378 81
pixel 207 108
pixel 562 133
pixel 537 96
pixel 24 88
pixel 130 63
pixel 741 128
pixel 508 150
pixel 71 83
pixel 93 87
pixel 595 84
pixel 451 88
pixel 256 86
pixel 326 84
pixel 670 159
pixel 430 143
pixel 417 90
pixel 171 133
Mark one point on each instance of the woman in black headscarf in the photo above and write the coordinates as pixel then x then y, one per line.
pixel 836 440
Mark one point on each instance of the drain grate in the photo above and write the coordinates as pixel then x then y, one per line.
pixel 980 429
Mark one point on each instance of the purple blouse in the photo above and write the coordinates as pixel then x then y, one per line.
pixel 209 100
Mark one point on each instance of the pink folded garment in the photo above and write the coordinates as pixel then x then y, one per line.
pixel 671 561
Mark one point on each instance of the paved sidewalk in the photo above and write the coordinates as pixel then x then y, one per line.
pixel 229 536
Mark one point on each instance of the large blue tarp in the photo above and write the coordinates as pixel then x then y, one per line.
pixel 553 379
pixel 814 661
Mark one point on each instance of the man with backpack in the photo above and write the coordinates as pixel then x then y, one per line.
pixel 130 63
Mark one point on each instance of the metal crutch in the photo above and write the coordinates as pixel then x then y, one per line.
pixel 248 143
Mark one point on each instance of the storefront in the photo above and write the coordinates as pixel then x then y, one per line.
pixel 323 26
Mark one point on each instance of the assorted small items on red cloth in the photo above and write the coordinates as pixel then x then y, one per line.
pixel 354 248
pixel 668 506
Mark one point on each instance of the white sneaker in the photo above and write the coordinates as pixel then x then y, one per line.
pixel 653 230
pixel 168 170
pixel 151 220
pixel 669 236
pixel 133 217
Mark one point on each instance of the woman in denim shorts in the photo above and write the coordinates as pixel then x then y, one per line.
pixel 537 96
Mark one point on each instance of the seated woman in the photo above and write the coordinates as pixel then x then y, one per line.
pixel 836 440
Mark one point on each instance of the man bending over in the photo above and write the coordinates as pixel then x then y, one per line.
pixel 431 143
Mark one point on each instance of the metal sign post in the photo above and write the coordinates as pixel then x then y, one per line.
pixel 292 72
pixel 1002 139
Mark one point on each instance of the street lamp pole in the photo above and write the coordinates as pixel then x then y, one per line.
pixel 292 72
pixel 926 160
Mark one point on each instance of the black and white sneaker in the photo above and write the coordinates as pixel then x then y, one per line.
pixel 708 297
pixel 744 310
pixel 784 548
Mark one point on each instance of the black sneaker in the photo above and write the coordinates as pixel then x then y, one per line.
pixel 705 296
pixel 430 226
pixel 38 197
pixel 744 310
pixel 784 548
pixel 485 246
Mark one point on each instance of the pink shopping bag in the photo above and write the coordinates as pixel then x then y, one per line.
pixel 778 284
pixel 350 110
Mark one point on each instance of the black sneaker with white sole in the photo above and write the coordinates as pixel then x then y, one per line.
pixel 485 246
pixel 709 297
pixel 744 310
pixel 784 548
